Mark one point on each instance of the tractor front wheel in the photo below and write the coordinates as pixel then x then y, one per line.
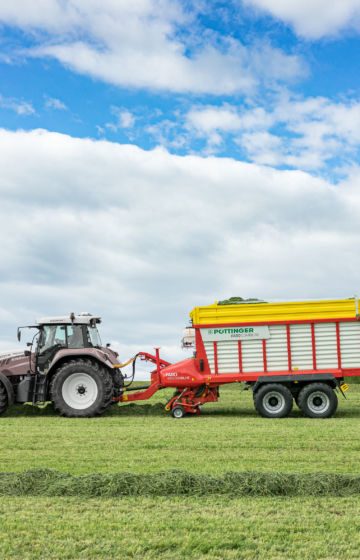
pixel 81 389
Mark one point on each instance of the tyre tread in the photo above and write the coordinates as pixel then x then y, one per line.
pixel 4 401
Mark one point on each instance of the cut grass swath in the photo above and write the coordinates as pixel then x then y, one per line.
pixel 48 482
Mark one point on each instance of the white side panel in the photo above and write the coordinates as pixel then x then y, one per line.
pixel 350 344
pixel 276 349
pixel 301 346
pixel 228 356
pixel 252 355
pixel 209 349
pixel 301 349
pixel 325 343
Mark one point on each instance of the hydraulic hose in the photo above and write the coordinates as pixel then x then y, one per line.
pixel 132 376
pixel 119 366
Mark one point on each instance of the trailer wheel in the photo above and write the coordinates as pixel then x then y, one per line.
pixel 178 412
pixel 3 399
pixel 273 400
pixel 318 400
pixel 81 389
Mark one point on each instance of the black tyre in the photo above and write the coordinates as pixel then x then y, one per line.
pixel 118 383
pixel 81 389
pixel 318 400
pixel 178 412
pixel 273 401
pixel 4 401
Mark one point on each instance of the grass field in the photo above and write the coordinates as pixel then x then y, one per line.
pixel 229 436
pixel 143 438
pixel 148 528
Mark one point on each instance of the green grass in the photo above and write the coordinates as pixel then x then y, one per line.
pixel 143 440
pixel 180 528
pixel 229 436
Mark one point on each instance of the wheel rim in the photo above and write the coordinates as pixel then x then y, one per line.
pixel 79 391
pixel 274 402
pixel 318 402
pixel 177 413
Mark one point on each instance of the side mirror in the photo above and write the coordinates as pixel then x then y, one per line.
pixel 28 344
pixel 27 353
pixel 19 335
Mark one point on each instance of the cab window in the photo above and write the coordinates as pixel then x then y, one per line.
pixel 75 336
pixel 52 335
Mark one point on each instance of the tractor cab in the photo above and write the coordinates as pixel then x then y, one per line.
pixel 73 332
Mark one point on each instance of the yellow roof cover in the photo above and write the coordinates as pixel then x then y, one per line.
pixel 277 311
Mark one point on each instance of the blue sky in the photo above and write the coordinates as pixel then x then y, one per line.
pixel 176 152
pixel 43 79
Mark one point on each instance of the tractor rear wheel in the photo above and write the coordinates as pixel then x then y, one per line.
pixel 4 402
pixel 81 389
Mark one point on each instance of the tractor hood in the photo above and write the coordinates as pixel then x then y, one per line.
pixel 14 363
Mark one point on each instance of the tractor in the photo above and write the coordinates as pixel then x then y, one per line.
pixel 65 363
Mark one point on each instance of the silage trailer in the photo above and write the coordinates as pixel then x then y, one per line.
pixel 283 351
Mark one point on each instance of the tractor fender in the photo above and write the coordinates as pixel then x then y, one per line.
pixel 94 354
pixel 9 389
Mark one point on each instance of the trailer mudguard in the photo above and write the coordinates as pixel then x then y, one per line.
pixel 9 389
pixel 308 378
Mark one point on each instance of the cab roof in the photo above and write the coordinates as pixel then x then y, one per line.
pixel 72 319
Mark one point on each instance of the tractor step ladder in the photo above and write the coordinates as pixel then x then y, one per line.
pixel 39 389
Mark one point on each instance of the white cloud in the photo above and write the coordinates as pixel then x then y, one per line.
pixel 142 236
pixel 146 44
pixel 263 148
pixel 54 103
pixel 211 122
pixel 313 19
pixel 124 120
pixel 295 132
pixel 20 107
pixel 212 118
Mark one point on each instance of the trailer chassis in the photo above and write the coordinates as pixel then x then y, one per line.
pixel 188 398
